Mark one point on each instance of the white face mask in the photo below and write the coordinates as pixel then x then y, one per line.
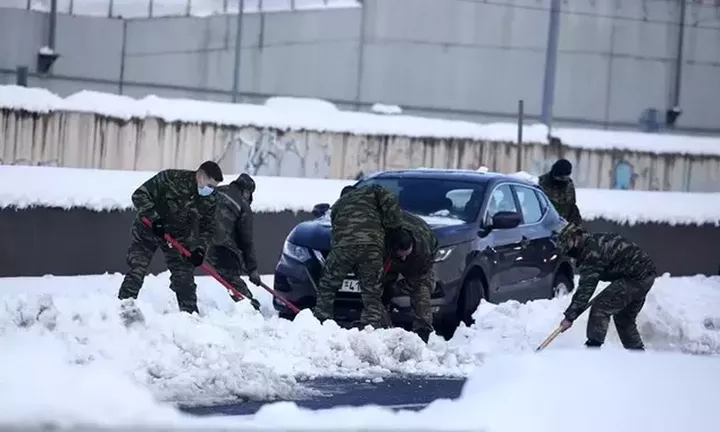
pixel 205 190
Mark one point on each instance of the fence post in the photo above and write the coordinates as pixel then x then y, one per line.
pixel 21 76
pixel 520 123
pixel 238 51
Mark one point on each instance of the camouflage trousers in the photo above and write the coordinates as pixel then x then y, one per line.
pixel 142 249
pixel 622 300
pixel 230 268
pixel 419 288
pixel 367 263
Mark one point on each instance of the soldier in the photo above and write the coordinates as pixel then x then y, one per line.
pixel 559 187
pixel 180 203
pixel 608 257
pixel 413 258
pixel 233 249
pixel 361 219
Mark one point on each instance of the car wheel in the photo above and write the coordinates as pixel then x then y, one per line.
pixel 562 285
pixel 468 301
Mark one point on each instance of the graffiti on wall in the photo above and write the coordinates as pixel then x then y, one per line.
pixel 273 152
pixel 623 175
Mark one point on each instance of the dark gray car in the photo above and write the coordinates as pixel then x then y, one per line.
pixel 496 242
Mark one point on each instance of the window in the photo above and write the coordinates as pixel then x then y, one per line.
pixel 531 210
pixel 543 201
pixel 455 199
pixel 501 200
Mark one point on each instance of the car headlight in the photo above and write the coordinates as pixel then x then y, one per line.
pixel 296 252
pixel 442 254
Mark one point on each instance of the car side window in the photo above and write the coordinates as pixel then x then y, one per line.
pixel 543 201
pixel 501 200
pixel 531 210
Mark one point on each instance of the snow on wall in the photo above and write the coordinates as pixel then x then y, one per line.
pixel 22 186
pixel 296 137
pixel 194 111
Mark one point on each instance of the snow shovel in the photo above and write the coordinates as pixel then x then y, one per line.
pixel 212 272
pixel 558 330
pixel 206 267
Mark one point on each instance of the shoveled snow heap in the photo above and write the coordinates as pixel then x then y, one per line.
pixel 231 351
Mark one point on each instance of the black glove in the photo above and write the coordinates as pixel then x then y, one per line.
pixel 158 228
pixel 255 303
pixel 255 278
pixel 197 257
pixel 424 333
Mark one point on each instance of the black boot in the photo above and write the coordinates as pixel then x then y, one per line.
pixel 591 343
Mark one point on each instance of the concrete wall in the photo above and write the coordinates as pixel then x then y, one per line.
pixel 85 140
pixel 40 241
pixel 447 58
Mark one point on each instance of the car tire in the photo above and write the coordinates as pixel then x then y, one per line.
pixel 562 285
pixel 471 294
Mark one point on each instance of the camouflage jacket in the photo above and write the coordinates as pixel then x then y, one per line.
pixel 234 229
pixel 172 195
pixel 562 196
pixel 607 257
pixel 426 245
pixel 363 215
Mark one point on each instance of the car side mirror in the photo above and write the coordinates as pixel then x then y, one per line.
pixel 506 220
pixel 320 209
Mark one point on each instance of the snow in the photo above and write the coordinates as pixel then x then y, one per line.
pixel 386 109
pixel 101 189
pixel 166 8
pixel 64 346
pixel 359 123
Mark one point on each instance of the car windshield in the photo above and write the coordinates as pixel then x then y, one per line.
pixel 432 197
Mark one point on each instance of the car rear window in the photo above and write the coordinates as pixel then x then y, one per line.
pixel 431 197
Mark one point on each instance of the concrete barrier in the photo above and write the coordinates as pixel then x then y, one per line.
pixel 37 241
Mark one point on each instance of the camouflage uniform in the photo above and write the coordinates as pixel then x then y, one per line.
pixel 360 220
pixel 233 252
pixel 417 270
pixel 562 196
pixel 170 195
pixel 609 257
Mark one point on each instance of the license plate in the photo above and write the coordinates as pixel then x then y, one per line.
pixel 350 286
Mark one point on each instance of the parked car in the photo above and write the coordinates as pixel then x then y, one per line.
pixel 495 234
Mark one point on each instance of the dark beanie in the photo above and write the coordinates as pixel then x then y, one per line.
pixel 562 167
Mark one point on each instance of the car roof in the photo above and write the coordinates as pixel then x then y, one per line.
pixel 487 177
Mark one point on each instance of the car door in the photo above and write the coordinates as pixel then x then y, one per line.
pixel 537 268
pixel 503 246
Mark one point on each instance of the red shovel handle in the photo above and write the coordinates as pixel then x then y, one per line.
pixel 212 272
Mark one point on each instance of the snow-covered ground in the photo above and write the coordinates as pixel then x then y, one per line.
pixel 68 356
pixel 104 189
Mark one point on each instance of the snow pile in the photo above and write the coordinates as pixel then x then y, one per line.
pixel 679 315
pixel 633 391
pixel 386 109
pixel 65 345
pixel 276 115
pixel 101 189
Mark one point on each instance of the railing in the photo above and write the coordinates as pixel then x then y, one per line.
pixel 165 8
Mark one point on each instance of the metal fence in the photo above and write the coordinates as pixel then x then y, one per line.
pixel 167 8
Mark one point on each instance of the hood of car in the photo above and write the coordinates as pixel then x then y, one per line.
pixel 315 234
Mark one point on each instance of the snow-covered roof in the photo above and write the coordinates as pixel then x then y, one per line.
pixel 281 114
pixel 100 189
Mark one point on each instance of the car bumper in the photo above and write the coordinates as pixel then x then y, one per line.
pixel 297 282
